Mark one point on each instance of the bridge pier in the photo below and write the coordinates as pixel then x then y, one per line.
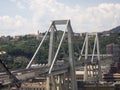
pixel 58 82
pixel 92 68
pixel 52 58
pixel 71 77
pixel 50 79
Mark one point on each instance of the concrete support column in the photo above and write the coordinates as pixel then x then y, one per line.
pixel 71 58
pixel 51 46
pixel 59 83
pixel 99 62
pixel 50 57
pixel 86 57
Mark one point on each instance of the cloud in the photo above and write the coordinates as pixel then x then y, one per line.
pixel 20 5
pixel 12 22
pixel 14 25
pixel 91 19
pixel 45 11
pixel 105 15
pixel 13 0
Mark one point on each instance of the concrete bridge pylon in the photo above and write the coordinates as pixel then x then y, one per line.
pixel 92 68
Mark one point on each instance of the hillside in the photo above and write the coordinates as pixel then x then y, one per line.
pixel 116 29
pixel 20 50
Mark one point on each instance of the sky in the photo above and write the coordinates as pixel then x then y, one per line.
pixel 20 17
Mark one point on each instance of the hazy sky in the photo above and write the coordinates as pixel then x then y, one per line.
pixel 19 17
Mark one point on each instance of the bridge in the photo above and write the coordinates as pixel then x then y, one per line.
pixel 63 76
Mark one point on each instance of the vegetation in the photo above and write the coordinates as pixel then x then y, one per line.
pixel 19 52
